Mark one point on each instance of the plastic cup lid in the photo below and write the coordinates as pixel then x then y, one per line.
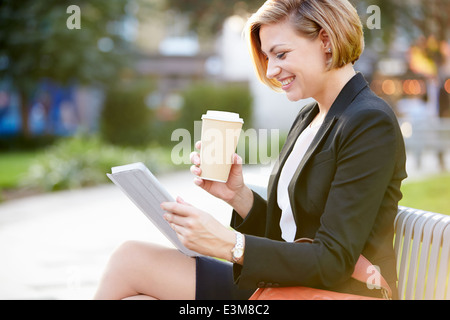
pixel 223 116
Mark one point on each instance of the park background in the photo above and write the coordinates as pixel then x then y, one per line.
pixel 80 96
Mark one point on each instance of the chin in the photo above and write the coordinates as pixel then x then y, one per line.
pixel 294 97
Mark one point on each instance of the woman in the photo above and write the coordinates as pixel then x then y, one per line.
pixel 337 180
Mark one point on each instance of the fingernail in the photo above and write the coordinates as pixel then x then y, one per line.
pixel 238 159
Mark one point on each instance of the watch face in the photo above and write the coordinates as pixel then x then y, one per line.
pixel 238 252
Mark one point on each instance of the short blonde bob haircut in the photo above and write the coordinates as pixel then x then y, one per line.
pixel 308 17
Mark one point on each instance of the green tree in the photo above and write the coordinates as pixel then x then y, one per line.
pixel 36 43
pixel 207 16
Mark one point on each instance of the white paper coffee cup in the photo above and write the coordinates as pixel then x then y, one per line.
pixel 220 135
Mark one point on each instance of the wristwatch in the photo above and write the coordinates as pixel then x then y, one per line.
pixel 238 251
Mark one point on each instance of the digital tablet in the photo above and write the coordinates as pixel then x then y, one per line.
pixel 147 193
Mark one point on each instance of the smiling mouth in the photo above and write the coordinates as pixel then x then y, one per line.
pixel 287 82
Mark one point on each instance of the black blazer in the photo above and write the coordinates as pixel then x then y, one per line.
pixel 344 195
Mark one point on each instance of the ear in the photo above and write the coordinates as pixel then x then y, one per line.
pixel 325 39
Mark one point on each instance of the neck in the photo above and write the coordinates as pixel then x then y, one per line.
pixel 334 82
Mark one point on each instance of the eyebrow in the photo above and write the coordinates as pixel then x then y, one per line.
pixel 273 48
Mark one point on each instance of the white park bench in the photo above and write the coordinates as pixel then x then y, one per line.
pixel 422 248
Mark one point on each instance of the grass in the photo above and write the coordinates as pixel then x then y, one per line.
pixel 13 165
pixel 430 194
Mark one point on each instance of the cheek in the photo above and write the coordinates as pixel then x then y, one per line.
pixel 311 60
pixel 309 72
pixel 311 66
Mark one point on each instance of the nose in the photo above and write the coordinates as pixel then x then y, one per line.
pixel 272 69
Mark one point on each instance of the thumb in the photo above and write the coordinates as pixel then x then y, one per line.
pixel 237 159
pixel 237 164
pixel 181 201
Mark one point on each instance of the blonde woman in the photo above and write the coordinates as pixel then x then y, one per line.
pixel 337 180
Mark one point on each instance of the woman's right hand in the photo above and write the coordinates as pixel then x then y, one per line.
pixel 234 191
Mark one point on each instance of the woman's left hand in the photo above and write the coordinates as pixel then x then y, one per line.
pixel 198 230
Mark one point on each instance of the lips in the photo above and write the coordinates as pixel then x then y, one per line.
pixel 286 82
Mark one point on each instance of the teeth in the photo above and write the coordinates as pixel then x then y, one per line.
pixel 287 81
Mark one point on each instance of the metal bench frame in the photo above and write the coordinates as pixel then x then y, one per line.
pixel 422 248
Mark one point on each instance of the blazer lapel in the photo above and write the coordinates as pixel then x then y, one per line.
pixel 320 136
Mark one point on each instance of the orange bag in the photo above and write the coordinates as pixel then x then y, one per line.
pixel 305 293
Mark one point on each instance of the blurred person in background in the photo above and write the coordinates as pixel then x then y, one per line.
pixel 444 113
pixel 4 103
pixel 416 111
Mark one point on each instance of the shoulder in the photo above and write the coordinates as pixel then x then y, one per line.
pixel 367 108
pixel 368 118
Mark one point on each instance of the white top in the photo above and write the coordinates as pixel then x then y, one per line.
pixel 287 222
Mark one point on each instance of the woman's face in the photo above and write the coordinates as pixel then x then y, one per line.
pixel 297 62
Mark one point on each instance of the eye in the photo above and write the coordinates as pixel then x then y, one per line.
pixel 281 55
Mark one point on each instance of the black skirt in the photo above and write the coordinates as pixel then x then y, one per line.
pixel 214 281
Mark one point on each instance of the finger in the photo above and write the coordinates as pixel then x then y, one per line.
pixel 181 200
pixel 198 145
pixel 198 181
pixel 180 231
pixel 236 169
pixel 174 220
pixel 177 208
pixel 237 159
pixel 196 170
pixel 195 158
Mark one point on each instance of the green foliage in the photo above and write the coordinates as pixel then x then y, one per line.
pixel 203 96
pixel 84 161
pixel 126 120
pixel 209 15
pixel 39 44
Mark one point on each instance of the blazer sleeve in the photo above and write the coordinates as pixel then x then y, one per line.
pixel 366 149
pixel 255 222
